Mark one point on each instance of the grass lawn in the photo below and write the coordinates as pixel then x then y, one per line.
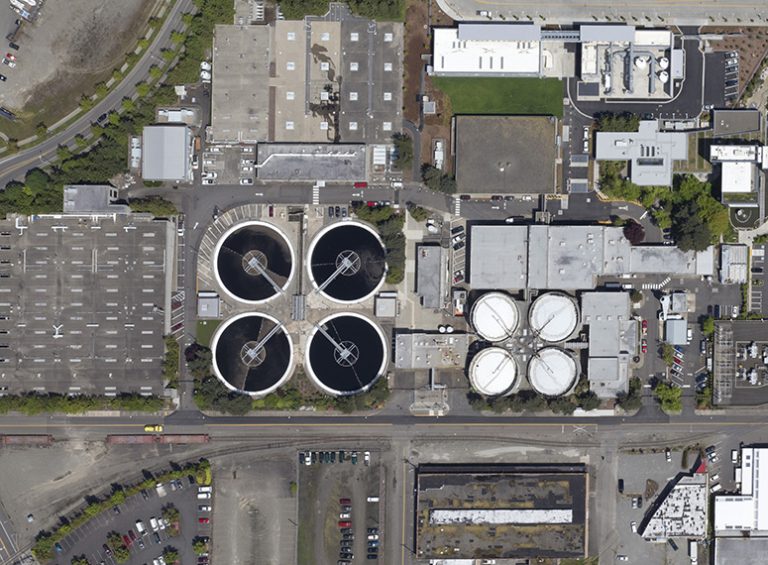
pixel 535 96
pixel 205 329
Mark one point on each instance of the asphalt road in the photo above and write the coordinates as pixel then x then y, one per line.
pixel 15 166
pixel 691 12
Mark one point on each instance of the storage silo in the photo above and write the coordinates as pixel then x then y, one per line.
pixel 493 371
pixel 495 316
pixel 552 371
pixel 553 317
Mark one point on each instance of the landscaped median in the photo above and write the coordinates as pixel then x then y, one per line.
pixel 46 541
pixel 34 403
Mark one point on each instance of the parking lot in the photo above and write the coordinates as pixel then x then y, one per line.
pixel 340 501
pixel 82 305
pixel 228 165
pixel 139 523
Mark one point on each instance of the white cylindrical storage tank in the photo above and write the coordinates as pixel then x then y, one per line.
pixel 640 63
pixel 493 371
pixel 495 316
pixel 553 317
pixel 552 372
pixel 663 63
pixel 664 77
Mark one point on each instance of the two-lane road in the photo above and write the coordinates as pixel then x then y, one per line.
pixel 15 166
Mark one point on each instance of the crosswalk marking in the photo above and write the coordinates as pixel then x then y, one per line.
pixel 315 195
pixel 457 206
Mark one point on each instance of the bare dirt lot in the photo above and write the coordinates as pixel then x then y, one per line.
pixel 750 42
pixel 72 45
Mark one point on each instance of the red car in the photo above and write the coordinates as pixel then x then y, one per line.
pixel 127 541
pixel 345 524
pixel 10 56
pixel 204 520
pixel 645 326
pixel 361 184
pixel 371 204
pixel 644 346
pixel 345 501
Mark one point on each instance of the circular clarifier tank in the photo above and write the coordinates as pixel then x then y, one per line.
pixel 347 262
pixel 253 261
pixel 493 371
pixel 553 317
pixel 346 354
pixel 552 371
pixel 495 316
pixel 252 353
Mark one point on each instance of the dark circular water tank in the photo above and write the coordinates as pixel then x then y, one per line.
pixel 251 260
pixel 345 354
pixel 252 353
pixel 347 262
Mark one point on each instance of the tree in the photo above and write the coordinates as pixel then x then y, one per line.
pixel 667 353
pixel 436 180
pixel 634 232
pixel 142 89
pixel 403 151
pixel 155 72
pixel 589 401
pixel 101 90
pixel 143 43
pixel 199 545
pixel 80 560
pixel 155 205
pixel 632 400
pixel 171 555
pixel 669 396
pixel 708 326
pixel 635 296
pixel 177 37
pixel 689 229
pixel 626 121
pixel 127 105
pixel 117 76
pixel 418 213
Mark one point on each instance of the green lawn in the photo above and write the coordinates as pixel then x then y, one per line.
pixel 532 96
pixel 205 329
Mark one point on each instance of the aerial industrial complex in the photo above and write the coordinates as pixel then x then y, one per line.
pixel 445 283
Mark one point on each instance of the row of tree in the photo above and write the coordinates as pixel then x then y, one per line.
pixel 389 223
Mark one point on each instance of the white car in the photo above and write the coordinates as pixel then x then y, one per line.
pixel 367 457
pixel 714 478
pixel 153 524
pixel 205 76
pixel 205 66
pixel 207 181
pixel 633 526
pixel 203 495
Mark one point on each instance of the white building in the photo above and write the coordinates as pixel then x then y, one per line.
pixel 733 264
pixel 682 513
pixel 745 514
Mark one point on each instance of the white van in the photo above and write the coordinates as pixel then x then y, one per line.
pixel 205 489
pixel 140 527
pixel 153 524
pixel 373 499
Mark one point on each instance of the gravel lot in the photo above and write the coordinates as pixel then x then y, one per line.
pixel 73 44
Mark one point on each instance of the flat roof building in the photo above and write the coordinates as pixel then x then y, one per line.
pixel 683 512
pixel 487 50
pixel 569 257
pixel 676 332
pixel 431 272
pixel 651 152
pixel 506 154
pixel 500 511
pixel 421 350
pixel 240 102
pixel 612 341
pixel 208 304
pixel 733 263
pixel 311 162
pixel 745 514
pixel 735 122
pixel 92 199
pixel 167 153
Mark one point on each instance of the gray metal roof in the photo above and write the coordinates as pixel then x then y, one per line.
pixel 302 161
pixel 615 33
pixel 676 332
pixel 167 152
pixel 498 257
pixel 430 264
pixel 499 32
pixel 92 199
pixel 734 122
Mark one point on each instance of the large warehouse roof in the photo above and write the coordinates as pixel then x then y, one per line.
pixel 167 153
pixel 569 257
pixel 490 56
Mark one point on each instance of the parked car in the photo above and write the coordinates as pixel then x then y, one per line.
pixel 633 526
pixel 668 455
pixel 345 501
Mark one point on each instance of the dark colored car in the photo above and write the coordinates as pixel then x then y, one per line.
pixel 338 211
pixel 156 537
pixel 106 549
pixel 13 45
pixel 3 78
pixel 330 211
pixel 621 485
pixel 465 197
pixel 345 501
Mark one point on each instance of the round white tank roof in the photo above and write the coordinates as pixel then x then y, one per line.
pixel 663 63
pixel 552 371
pixel 495 316
pixel 493 371
pixel 553 316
